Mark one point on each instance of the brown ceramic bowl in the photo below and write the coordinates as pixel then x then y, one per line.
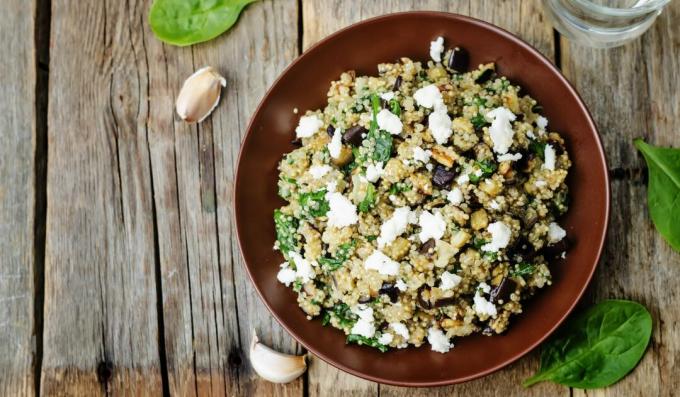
pixel 361 47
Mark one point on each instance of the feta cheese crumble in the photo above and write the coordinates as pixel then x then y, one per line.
pixel 364 325
pixel 318 171
pixel 555 232
pixel 500 236
pixel 389 122
pixel 433 226
pixel 303 267
pixel 382 263
pixel 286 275
pixel 428 96
pixel 374 172
pixel 439 124
pixel 335 145
pixel 455 196
pixel 549 163
pixel 308 126
pixel 483 307
pixel 540 183
pixel 463 179
pixel 510 157
pixel 421 155
pixel 388 96
pixel 438 340
pixel 394 227
pixel 385 338
pixel 501 132
pixel 541 122
pixel 342 212
pixel 494 205
pixel 401 285
pixel 449 281
pixel 401 330
pixel 331 186
pixel 436 49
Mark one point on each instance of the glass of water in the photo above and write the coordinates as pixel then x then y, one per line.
pixel 603 23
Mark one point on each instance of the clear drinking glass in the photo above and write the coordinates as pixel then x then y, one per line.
pixel 603 23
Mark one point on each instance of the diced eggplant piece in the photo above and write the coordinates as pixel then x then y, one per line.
pixel 459 60
pixel 397 84
pixel 503 291
pixel 442 177
pixel 484 76
pixel 554 251
pixel 522 250
pixel 354 136
pixel 445 302
pixel 297 142
pixel 427 248
pixel 330 131
pixel 424 301
pixel 390 290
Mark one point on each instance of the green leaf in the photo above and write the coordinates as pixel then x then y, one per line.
pixel 394 106
pixel 342 254
pixel 478 121
pixel 663 193
pixel 369 199
pixel 538 148
pixel 523 269
pixel 286 228
pixel 343 315
pixel 598 347
pixel 382 150
pixel 362 340
pixel 314 204
pixel 186 22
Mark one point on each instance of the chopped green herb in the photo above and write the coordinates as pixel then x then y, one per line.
pixel 394 106
pixel 478 242
pixel 479 101
pixel 326 319
pixel 382 150
pixel 297 286
pixel 523 269
pixel 400 187
pixel 362 340
pixel 314 204
pixel 286 228
pixel 369 199
pixel 538 148
pixel 371 238
pixel 487 166
pixel 490 256
pixel 343 315
pixel 478 121
pixel 342 254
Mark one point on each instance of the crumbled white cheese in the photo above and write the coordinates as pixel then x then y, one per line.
pixel 364 325
pixel 401 285
pixel 295 110
pixel 483 306
pixel 303 268
pixel 385 338
pixel 510 157
pixel 463 179
pixel 389 122
pixel 318 171
pixel 382 263
pixel 501 132
pixel 335 145
pixel 331 186
pixel 394 227
pixel 439 124
pixel 531 135
pixel 540 183
pixel 500 236
pixel 374 172
pixel 555 232
pixel 449 281
pixel 342 212
pixel 438 340
pixel 484 287
pixel 400 329
pixel 432 226
pixel 549 163
pixel 308 126
pixel 494 205
pixel 392 197
pixel 421 155
pixel 455 196
pixel 429 166
pixel 436 49
pixel 478 173
pixel 388 96
pixel 541 122
pixel 428 96
pixel 286 275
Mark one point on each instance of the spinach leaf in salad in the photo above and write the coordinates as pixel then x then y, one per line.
pixel 487 166
pixel 538 148
pixel 400 187
pixel 342 254
pixel 186 22
pixel 394 106
pixel 597 347
pixel 362 340
pixel 369 199
pixel 479 121
pixel 286 228
pixel 663 192
pixel 314 204
pixel 342 313
pixel 382 150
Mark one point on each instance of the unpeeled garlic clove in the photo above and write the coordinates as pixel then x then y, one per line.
pixel 200 94
pixel 275 366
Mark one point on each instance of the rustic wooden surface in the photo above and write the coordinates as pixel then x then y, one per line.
pixel 119 269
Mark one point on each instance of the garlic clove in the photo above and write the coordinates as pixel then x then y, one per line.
pixel 275 366
pixel 199 95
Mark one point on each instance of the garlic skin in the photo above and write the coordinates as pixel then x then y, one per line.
pixel 199 95
pixel 274 366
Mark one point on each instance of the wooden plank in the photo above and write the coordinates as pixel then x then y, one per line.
pixel 101 327
pixel 632 91
pixel 526 20
pixel 17 197
pixel 209 305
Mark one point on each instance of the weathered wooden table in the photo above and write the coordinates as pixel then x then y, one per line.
pixel 119 269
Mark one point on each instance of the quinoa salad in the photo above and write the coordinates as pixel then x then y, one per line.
pixel 422 203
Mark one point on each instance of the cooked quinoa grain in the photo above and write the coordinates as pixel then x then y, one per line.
pixel 422 204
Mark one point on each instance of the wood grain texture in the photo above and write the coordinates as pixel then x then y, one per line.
pixel 525 19
pixel 101 328
pixel 17 197
pixel 209 306
pixel 632 91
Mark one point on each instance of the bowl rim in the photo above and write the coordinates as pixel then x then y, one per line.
pixel 546 63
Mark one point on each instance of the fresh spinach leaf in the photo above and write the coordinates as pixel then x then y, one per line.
pixel 400 187
pixel 369 199
pixel 478 121
pixel 478 242
pixel 538 148
pixel 314 204
pixel 394 106
pixel 186 22
pixel 286 228
pixel 362 340
pixel 342 254
pixel 596 348
pixel 382 150
pixel 344 315
pixel 663 193
pixel 487 166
